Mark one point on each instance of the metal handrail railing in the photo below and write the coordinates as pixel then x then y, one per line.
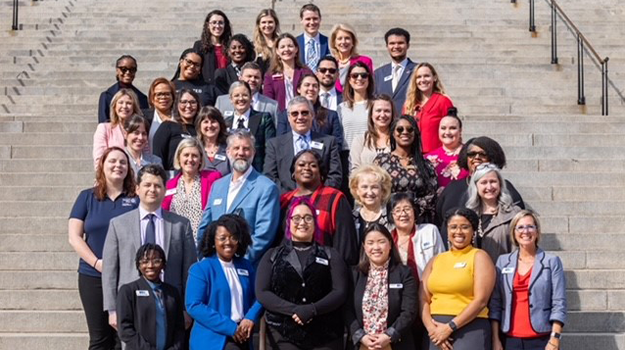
pixel 583 45
pixel 16 6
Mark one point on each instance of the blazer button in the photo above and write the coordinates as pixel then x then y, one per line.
pixel 531 305
pixel 304 299
pixel 303 284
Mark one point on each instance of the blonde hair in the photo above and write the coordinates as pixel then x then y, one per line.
pixel 186 143
pixel 382 177
pixel 260 44
pixel 135 105
pixel 414 96
pixel 515 220
pixel 348 29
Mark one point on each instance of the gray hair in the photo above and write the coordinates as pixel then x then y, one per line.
pixel 237 84
pixel 241 134
pixel 475 202
pixel 186 143
pixel 300 100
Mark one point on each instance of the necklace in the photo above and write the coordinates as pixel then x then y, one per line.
pixel 302 249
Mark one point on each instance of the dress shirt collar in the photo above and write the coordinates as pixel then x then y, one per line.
pixel 143 213
pixel 402 63
pixel 246 115
pixel 309 38
pixel 242 179
pixel 307 135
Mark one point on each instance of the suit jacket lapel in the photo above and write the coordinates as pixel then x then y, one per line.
pixel 136 233
pixel 254 122
pixel 404 77
pixel 232 73
pixel 512 263
pixel 538 267
pixel 248 186
pixel 167 230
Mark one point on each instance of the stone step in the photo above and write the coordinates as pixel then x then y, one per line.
pixel 40 300
pixel 600 242
pixel 45 225
pixel 43 340
pixel 48 139
pixel 572 208
pixel 42 194
pixel 56 321
pixel 25 242
pixel 52 152
pixel 36 208
pixel 50 261
pixel 45 166
pixel 55 179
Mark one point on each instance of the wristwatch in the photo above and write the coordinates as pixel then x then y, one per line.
pixel 452 325
pixel 556 335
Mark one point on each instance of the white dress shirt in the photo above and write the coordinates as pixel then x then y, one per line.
pixel 246 119
pixel 296 137
pixel 317 41
pixel 332 98
pixel 235 187
pixel 236 291
pixel 402 68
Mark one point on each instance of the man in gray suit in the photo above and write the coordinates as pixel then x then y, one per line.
pixel 146 224
pixel 251 74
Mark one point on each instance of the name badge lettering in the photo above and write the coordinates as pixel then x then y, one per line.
pixel 128 202
pixel 243 272
pixel 228 113
pixel 388 77
pixel 220 157
pixel 185 136
pixel 460 265
pixel 316 145
pixel 507 270
pixel 170 192
pixel 427 245
pixel 396 286
pixel 321 261
pixel 142 293
pixel 217 201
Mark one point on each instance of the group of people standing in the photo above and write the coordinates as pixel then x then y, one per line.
pixel 283 184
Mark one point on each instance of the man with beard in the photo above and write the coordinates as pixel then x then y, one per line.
pixel 247 193
pixel 327 73
pixel 393 78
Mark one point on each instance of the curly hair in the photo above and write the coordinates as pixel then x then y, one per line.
pixel 207 45
pixel 238 229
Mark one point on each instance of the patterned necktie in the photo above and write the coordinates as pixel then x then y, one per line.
pixel 302 143
pixel 311 55
pixel 325 100
pixel 150 230
pixel 241 123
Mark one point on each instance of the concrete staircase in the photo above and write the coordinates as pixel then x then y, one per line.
pixel 566 161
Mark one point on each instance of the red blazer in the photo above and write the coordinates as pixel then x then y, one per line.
pixel 364 59
pixel 207 177
pixel 428 118
pixel 273 86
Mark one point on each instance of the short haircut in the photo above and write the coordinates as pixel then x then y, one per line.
pixel 493 151
pixel 328 58
pixel 152 169
pixel 296 202
pixel 309 7
pixel 399 197
pixel 382 177
pixel 345 28
pixel 145 250
pixel 394 258
pixel 241 134
pixel 250 54
pixel 251 65
pixel 186 143
pixel 397 32
pixel 520 215
pixel 474 202
pixel 300 100
pixel 466 213
pixel 236 226
pixel 323 172
pixel 238 83
pixel 157 82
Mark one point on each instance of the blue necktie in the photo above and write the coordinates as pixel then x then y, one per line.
pixel 311 55
pixel 302 143
pixel 150 230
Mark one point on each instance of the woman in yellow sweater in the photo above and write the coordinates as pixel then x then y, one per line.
pixel 455 289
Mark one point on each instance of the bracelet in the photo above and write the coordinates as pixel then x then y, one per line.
pixel 95 263
pixel 554 345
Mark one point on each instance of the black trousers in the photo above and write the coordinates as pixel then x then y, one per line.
pixel 101 335
pixel 277 342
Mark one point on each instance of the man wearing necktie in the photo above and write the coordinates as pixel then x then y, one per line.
pixel 313 45
pixel 282 149
pixel 327 73
pixel 147 224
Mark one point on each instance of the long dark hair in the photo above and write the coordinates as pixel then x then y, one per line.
pixel 371 135
pixel 348 91
pixel 184 55
pixel 207 45
pixel 321 113
pixel 394 258
pixel 425 170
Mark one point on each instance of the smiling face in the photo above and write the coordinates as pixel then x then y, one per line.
pixel 425 80
pixel 163 98
pixel 404 133
pixel 397 47
pixel 344 43
pixel 525 233
pixel 225 244
pixel 187 108
pixel 403 215
pixel 489 187
pixel 309 88
pixel 240 154
pixel 124 107
pixel 209 128
pixel 241 99
pixel 359 79
pixel 382 114
pixel 302 224
pixel 475 156
pixel 115 166
pixel 237 52
pixel 216 25
pixel 369 191
pixel 327 73
pixel 267 25
pixel 190 67
pixel 306 171
pixel 300 118
pixel 126 70
pixel 459 232
pixel 252 77
pixel 151 190
pixel 286 50
pixel 449 132
pixel 311 21
pixel 151 265
pixel 377 247
pixel 137 139
pixel 190 159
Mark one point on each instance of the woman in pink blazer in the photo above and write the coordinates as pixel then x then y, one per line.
pixel 285 72
pixel 111 134
pixel 343 45
pixel 187 193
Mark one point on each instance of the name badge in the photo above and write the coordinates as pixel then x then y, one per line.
pixel 277 77
pixel 396 286
pixel 243 272
pixel 228 113
pixel 318 212
pixel 170 192
pixel 321 261
pixel 217 201
pixel 316 145
pixel 142 293
pixel 185 136
pixel 507 270
pixel 460 265
pixel 427 245
pixel 388 77
pixel 220 157
pixel 128 202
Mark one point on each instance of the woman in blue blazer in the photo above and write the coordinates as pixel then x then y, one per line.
pixel 220 288
pixel 528 304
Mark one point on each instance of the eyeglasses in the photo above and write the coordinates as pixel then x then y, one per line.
pixel 156 261
pixel 188 102
pixel 217 23
pixel 401 129
pixel 131 70
pixel 399 211
pixel 298 113
pixel 526 228
pixel 162 94
pixel 355 76
pixel 327 70
pixel 474 154
pixel 227 238
pixel 298 219
pixel 191 63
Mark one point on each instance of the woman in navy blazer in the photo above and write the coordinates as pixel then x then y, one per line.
pixel 218 279
pixel 529 301
pixel 285 66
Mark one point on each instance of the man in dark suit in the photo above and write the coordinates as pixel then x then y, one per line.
pixel 312 44
pixel 327 73
pixel 393 78
pixel 146 224
pixel 282 149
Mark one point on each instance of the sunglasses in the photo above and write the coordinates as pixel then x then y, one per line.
pixel 477 154
pixel 327 70
pixel 125 70
pixel 298 113
pixel 355 76
pixel 401 129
